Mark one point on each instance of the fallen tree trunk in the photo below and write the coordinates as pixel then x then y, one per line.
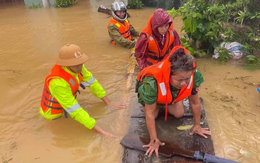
pixel 105 10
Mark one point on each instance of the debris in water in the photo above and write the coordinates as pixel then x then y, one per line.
pixel 244 152
pixel 186 127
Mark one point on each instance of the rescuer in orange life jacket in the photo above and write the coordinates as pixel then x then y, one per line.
pixel 62 85
pixel 167 83
pixel 119 29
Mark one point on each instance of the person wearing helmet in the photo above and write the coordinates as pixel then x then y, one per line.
pixel 119 28
pixel 62 85
pixel 156 40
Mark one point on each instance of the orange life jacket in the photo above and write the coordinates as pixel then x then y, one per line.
pixel 124 29
pixel 48 101
pixel 155 54
pixel 161 73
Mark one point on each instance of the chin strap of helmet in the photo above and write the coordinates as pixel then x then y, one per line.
pixel 118 6
pixel 117 17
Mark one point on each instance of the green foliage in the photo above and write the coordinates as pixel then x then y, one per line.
pixel 173 13
pixel 253 62
pixel 223 54
pixel 33 6
pixel 135 4
pixel 210 22
pixel 203 21
pixel 244 23
pixel 65 3
pixel 185 44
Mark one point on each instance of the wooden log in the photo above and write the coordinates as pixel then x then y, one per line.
pixel 167 132
pixel 105 10
pixel 134 141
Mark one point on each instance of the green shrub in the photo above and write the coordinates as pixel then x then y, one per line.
pixel 135 4
pixel 65 3
pixel 33 6
pixel 210 22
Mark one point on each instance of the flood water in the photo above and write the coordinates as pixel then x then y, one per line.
pixel 30 41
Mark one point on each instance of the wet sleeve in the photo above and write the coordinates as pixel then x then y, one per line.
pixel 177 40
pixel 118 38
pixel 61 91
pixel 147 92
pixel 141 51
pixel 198 79
pixel 133 31
pixel 88 80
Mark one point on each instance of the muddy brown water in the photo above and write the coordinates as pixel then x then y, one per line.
pixel 30 40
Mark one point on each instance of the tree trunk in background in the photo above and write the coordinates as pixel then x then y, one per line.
pixel 165 4
pixel 45 3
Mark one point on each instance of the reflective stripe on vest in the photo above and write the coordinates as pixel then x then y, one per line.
pixel 153 47
pixel 48 101
pixel 73 108
pixel 124 29
pixel 161 73
pixel 162 88
pixel 191 80
pixel 155 54
pixel 72 82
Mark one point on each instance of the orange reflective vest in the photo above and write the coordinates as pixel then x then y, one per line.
pixel 155 54
pixel 124 29
pixel 161 73
pixel 48 101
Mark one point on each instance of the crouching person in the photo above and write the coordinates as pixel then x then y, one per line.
pixel 61 87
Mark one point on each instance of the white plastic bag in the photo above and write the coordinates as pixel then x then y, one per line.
pixel 234 49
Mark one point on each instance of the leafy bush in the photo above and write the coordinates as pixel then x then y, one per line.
pixel 135 4
pixel 253 62
pixel 185 43
pixel 202 22
pixel 34 6
pixel 210 22
pixel 65 3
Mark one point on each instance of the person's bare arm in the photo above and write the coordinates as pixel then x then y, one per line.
pixel 195 106
pixel 150 111
pixel 101 131
pixel 116 105
pixel 150 115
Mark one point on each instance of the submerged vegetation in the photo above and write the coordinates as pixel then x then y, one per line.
pixel 65 3
pixel 210 22
pixel 34 6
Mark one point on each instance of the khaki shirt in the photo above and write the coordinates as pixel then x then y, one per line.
pixel 119 39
